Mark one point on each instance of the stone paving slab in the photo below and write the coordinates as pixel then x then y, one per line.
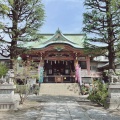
pixel 59 108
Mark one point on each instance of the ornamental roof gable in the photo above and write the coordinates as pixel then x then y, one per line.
pixel 75 40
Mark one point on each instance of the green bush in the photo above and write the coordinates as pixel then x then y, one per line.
pixel 3 70
pixel 99 93
pixel 84 90
pixel 23 89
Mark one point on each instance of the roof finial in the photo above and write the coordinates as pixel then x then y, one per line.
pixel 58 31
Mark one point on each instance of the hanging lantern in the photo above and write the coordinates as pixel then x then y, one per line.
pixel 55 61
pixel 47 61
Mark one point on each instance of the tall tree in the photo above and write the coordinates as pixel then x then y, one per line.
pixel 19 23
pixel 102 21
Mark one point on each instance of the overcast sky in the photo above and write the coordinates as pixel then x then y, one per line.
pixel 67 15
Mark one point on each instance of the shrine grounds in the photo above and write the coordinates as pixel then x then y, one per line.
pixel 48 107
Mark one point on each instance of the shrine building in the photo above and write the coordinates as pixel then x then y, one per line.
pixel 57 55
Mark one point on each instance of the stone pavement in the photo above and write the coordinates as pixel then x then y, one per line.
pixel 68 108
pixel 59 108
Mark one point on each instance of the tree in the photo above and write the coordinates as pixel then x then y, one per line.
pixel 19 23
pixel 24 73
pixel 102 21
pixel 99 93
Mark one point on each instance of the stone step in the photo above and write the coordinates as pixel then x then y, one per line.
pixel 63 89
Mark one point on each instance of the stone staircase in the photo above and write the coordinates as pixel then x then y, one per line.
pixel 61 89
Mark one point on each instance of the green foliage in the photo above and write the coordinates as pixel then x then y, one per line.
pixel 84 90
pixel 23 73
pixel 118 52
pixel 3 70
pixel 24 20
pixel 23 91
pixel 4 9
pixel 99 93
pixel 102 23
pixel 24 69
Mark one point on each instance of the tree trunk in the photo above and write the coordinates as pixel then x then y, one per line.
pixel 111 57
pixel 13 48
pixel 111 51
pixel 13 53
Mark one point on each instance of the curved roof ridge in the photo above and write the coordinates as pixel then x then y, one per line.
pixel 56 37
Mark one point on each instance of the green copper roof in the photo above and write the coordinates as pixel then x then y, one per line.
pixel 75 40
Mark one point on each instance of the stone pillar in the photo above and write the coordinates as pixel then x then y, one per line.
pixel 7 97
pixel 113 100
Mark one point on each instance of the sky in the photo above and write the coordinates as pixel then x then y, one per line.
pixel 67 15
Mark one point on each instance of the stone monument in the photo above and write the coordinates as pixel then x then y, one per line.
pixel 113 99
pixel 7 92
pixel 113 78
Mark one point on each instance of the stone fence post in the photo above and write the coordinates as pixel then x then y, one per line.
pixel 7 97
pixel 113 100
pixel 7 87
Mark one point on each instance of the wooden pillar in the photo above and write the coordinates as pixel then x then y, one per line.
pixel 41 60
pixel 88 64
pixel 41 56
pixel 76 60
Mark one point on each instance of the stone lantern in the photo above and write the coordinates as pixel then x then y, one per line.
pixel 7 101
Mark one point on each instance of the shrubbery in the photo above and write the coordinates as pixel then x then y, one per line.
pixel 25 90
pixel 3 70
pixel 99 93
pixel 84 90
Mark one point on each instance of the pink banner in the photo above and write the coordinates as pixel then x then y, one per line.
pixel 78 74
